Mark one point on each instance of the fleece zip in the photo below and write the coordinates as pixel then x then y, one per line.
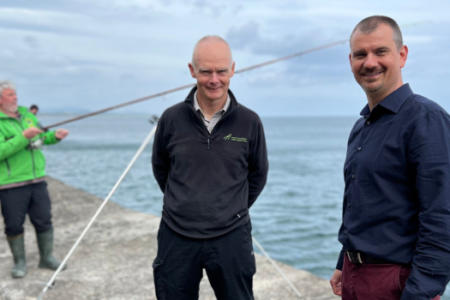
pixel 209 180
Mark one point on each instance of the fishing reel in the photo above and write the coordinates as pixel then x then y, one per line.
pixel 36 144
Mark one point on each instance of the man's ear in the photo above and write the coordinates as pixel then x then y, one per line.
pixel 191 69
pixel 403 55
pixel 232 69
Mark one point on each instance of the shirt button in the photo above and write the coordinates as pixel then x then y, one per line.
pixel 368 122
pixel 353 176
pixel 359 148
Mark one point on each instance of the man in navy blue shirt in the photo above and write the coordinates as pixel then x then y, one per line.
pixel 395 230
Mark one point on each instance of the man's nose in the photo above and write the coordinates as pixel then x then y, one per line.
pixel 371 61
pixel 214 77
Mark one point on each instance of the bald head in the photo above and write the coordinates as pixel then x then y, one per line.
pixel 212 66
pixel 211 43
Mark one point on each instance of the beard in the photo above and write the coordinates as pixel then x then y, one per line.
pixel 10 109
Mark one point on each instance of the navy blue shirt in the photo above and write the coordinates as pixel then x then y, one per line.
pixel 397 189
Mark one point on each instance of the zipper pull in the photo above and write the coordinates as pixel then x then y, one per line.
pixel 209 144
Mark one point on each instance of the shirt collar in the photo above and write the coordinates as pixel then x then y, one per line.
pixel 393 101
pixel 223 110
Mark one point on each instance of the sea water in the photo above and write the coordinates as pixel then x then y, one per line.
pixel 297 216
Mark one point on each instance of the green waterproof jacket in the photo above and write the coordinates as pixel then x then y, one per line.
pixel 19 161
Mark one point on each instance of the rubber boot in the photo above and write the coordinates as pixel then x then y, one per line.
pixel 45 244
pixel 17 245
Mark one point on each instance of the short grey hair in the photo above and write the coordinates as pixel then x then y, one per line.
pixel 5 84
pixel 369 24
pixel 210 38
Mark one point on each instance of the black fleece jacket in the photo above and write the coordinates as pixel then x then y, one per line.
pixel 209 180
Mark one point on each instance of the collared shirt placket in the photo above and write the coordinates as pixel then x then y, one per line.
pixel 354 157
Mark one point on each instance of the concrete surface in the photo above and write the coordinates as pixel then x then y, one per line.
pixel 114 260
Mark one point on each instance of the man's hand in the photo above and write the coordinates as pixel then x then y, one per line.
pixel 61 133
pixel 31 132
pixel 336 282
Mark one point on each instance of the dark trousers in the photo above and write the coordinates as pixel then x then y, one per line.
pixel 373 282
pixel 228 260
pixel 17 202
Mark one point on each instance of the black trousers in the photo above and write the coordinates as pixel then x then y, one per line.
pixel 228 260
pixel 17 202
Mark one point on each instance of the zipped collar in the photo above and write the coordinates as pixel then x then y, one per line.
pixel 233 102
pixel 189 101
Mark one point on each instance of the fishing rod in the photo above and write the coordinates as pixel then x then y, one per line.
pixel 144 144
pixel 273 61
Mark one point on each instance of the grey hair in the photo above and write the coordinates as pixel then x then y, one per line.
pixel 5 84
pixel 369 24
pixel 210 38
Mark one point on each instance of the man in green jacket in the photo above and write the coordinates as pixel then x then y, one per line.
pixel 22 179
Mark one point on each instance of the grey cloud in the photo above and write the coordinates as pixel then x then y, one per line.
pixel 252 37
pixel 245 36
pixel 48 21
pixel 31 41
pixel 214 7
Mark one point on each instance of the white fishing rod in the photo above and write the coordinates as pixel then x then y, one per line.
pixel 291 285
pixel 113 190
pixel 105 201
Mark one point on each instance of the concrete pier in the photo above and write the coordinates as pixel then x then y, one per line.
pixel 114 260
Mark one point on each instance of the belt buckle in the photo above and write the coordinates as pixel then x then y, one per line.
pixel 355 257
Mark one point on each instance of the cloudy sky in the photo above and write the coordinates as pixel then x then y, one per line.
pixel 85 55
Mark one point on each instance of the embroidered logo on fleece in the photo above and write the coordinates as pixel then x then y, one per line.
pixel 230 137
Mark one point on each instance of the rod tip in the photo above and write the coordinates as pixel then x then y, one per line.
pixel 153 119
